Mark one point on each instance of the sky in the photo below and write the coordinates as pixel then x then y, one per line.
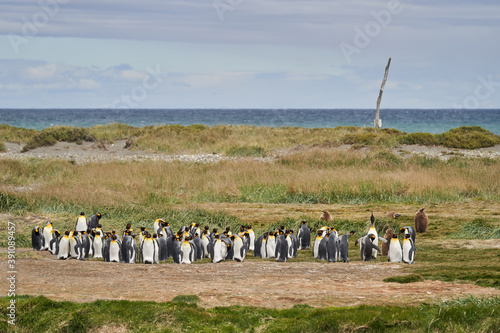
pixel 249 53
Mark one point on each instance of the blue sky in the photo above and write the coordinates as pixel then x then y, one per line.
pixel 248 54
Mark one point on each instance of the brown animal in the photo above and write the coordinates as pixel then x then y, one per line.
pixel 385 246
pixel 421 221
pixel 392 215
pixel 326 216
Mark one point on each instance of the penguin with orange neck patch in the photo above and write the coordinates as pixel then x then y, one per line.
pixel 37 239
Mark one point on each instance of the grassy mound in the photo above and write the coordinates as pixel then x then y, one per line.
pixel 465 137
pixel 50 136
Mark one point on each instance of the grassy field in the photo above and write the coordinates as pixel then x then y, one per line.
pixel 461 196
pixel 182 314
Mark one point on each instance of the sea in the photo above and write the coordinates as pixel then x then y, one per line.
pixel 406 120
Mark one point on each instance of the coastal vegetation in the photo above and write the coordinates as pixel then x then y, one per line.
pixel 245 140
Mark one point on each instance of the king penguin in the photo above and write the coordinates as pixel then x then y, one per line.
pixel 47 234
pixel 251 236
pixel 63 247
pixel 114 250
pixel 332 251
pixel 271 245
pixel 216 253
pixel 94 220
pixel 395 253
pixel 81 223
pixel 316 244
pixel 408 231
pixel 54 241
pixel 367 246
pixel 187 250
pixel 97 244
pixel 37 239
pixel 75 246
pixel 374 232
pixel 240 249
pixel 344 246
pixel 148 250
pixel 304 236
pixel 408 250
pixel 281 250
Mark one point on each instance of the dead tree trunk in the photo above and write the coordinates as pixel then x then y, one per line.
pixel 378 121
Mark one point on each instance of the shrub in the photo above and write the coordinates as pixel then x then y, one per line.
pixel 50 136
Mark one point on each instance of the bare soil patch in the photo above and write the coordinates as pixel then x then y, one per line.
pixel 264 283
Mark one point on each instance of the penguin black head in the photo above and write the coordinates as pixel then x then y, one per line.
pixel 207 227
pixel 352 232
pixel 304 222
pixel 402 230
pixel 82 213
pixel 66 233
pixel 228 228
pixel 395 236
pixel 372 236
pixel 99 215
pixel 249 227
pixel 215 230
pixel 128 226
pixel 143 228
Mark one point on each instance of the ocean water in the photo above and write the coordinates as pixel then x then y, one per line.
pixel 411 120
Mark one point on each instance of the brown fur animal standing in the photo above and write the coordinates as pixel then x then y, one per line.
pixel 385 246
pixel 326 216
pixel 421 221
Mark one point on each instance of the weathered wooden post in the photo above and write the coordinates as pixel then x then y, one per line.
pixel 378 121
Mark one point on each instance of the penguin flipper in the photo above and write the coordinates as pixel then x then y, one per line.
pixel 380 238
pixel 376 248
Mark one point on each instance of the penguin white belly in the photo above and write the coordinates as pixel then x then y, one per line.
pixel 81 224
pixel 47 235
pixel 63 248
pixel 289 242
pixel 97 247
pixel 238 244
pixel 406 251
pixel 156 256
pixel 205 242
pixel 263 249
pixel 148 251
pixel 395 253
pixel 114 252
pixel 186 253
pixel 316 247
pixel 271 247
pixel 251 234
pixel 74 253
pixel 375 241
pixel 218 251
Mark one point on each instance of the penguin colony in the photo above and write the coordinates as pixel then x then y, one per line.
pixel 191 243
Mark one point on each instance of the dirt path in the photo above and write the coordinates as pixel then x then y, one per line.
pixel 251 283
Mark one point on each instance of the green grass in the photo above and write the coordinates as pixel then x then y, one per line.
pixel 2 147
pixel 39 314
pixel 245 140
pixel 477 229
pixel 405 278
